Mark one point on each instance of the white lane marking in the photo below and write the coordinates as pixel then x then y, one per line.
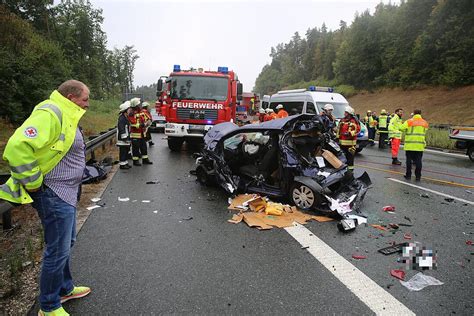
pixel 432 191
pixel 370 293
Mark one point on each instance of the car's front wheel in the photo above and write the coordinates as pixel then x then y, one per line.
pixel 302 196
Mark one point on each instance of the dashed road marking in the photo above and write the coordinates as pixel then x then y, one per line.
pixel 370 293
pixel 432 191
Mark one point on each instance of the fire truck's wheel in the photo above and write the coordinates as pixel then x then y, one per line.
pixel 303 196
pixel 202 176
pixel 175 143
pixel 470 152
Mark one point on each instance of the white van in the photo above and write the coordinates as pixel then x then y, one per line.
pixel 312 101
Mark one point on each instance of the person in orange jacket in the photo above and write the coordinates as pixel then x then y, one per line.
pixel 137 130
pixel 271 115
pixel 281 111
pixel 347 131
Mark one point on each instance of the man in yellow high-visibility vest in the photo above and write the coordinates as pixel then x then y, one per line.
pixel 415 131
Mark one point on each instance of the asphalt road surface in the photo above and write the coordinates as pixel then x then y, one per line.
pixel 178 254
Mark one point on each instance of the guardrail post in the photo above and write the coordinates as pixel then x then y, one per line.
pixel 7 220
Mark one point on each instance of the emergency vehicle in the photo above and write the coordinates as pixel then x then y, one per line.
pixel 194 100
pixel 246 108
pixel 312 101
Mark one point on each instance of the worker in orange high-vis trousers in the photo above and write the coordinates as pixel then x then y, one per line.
pixel 347 131
pixel 137 130
pixel 148 120
pixel 395 134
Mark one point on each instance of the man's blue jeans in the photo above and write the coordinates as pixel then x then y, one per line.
pixel 59 225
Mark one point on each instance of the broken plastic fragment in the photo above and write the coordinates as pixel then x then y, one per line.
pixel 90 208
pixel 407 236
pixel 399 274
pixel 341 207
pixel 419 281
pixel 155 212
pixel 95 200
pixel 359 257
pixel 388 208
pixel 123 199
pixel 379 227
pixel 146 201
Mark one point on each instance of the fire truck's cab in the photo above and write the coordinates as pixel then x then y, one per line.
pixel 193 101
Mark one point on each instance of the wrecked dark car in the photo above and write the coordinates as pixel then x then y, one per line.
pixel 283 159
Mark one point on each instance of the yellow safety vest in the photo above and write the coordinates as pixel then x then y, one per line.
pixel 382 122
pixel 415 131
pixel 38 145
pixel 394 127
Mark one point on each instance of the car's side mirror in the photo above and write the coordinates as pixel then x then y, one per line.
pixel 240 89
pixel 159 87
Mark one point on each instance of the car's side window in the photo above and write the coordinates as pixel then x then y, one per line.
pixel 310 109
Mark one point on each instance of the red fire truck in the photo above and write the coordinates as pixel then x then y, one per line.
pixel 195 100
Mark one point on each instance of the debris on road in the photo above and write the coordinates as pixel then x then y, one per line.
pixel 152 182
pixel 424 195
pixel 406 225
pixel 399 274
pixel 187 218
pixel 95 200
pixel 146 201
pixel 156 212
pixel 407 236
pixel 419 281
pixel 259 212
pixel 123 199
pixel 449 199
pixel 90 208
pixel 407 218
pixel 379 227
pixel 388 208
pixel 469 242
pixel 358 257
pixel 392 249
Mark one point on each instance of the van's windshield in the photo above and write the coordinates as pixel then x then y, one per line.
pixel 338 108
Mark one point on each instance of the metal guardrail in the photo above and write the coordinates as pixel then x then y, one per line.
pixel 91 145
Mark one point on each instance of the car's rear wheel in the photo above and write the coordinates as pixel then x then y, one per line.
pixel 470 152
pixel 303 196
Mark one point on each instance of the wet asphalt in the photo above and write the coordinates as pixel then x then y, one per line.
pixel 178 255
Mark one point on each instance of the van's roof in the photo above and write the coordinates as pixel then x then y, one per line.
pixel 317 96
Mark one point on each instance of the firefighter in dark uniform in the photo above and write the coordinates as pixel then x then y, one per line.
pixel 137 130
pixel 123 134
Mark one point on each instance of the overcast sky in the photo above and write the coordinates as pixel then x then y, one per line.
pixel 234 33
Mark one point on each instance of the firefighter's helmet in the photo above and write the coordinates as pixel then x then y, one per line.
pixel 279 106
pixel 328 107
pixel 261 111
pixel 383 112
pixel 135 102
pixel 145 104
pixel 124 106
pixel 349 110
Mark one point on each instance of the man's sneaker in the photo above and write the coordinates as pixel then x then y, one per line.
pixel 77 292
pixel 57 312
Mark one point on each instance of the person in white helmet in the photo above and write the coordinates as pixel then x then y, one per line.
pixel 281 111
pixel 270 115
pixel 123 134
pixel 261 115
pixel 347 131
pixel 327 117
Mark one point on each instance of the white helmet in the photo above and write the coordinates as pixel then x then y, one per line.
pixel 124 106
pixel 135 102
pixel 268 110
pixel 261 111
pixel 145 104
pixel 328 107
pixel 349 110
pixel 279 106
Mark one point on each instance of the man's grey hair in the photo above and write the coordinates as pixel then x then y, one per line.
pixel 74 87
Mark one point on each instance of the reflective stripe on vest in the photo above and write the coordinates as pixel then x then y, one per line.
pixel 5 188
pixel 25 167
pixel 55 109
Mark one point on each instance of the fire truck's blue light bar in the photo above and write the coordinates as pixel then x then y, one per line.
pixel 224 70
pixel 176 68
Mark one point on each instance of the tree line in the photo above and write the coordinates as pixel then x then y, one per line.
pixel 415 43
pixel 41 45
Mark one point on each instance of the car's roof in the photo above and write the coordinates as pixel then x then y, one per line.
pixel 215 134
